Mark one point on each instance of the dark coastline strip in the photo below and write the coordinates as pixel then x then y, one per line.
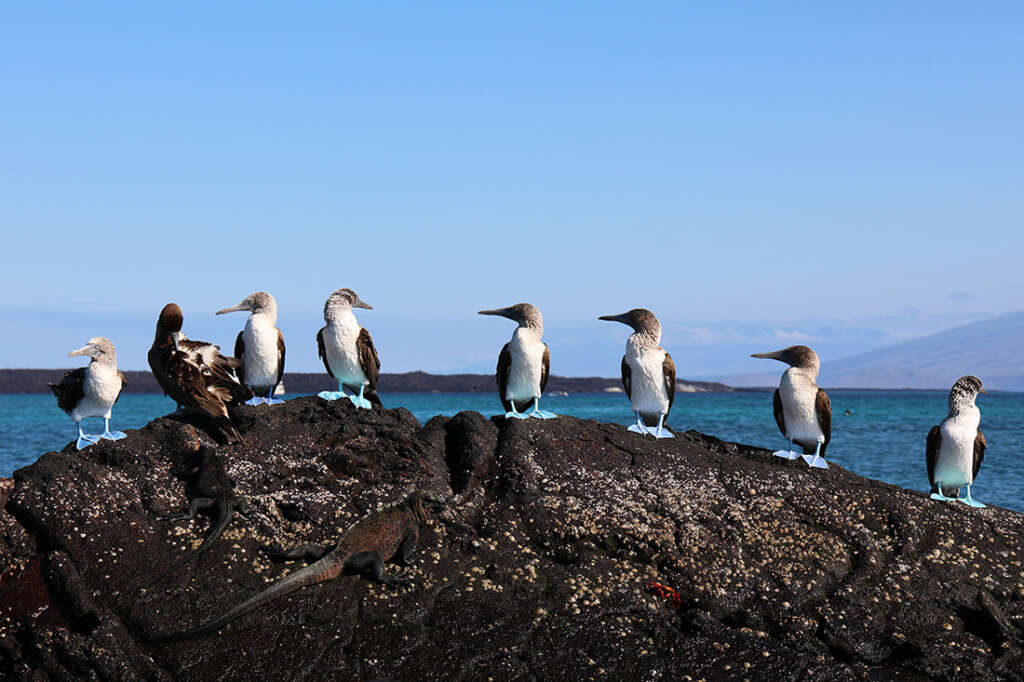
pixel 35 381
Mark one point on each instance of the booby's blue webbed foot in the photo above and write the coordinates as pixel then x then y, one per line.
pixel 258 400
pixel 85 440
pixel 360 401
pixel 939 497
pixel 511 414
pixel 660 432
pixel 539 413
pixel 113 435
pixel 273 401
pixel 786 454
pixel 637 428
pixel 970 501
pixel 330 395
pixel 816 461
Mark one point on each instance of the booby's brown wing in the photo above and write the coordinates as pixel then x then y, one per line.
pixel 280 356
pixel 240 348
pixel 70 390
pixel 627 378
pixel 931 452
pixel 823 409
pixel 780 416
pixel 545 368
pixel 668 369
pixel 368 358
pixel 979 453
pixel 504 364
pixel 124 382
pixel 321 350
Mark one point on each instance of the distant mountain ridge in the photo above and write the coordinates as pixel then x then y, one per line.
pixel 991 349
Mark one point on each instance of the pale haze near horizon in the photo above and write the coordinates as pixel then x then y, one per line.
pixel 848 178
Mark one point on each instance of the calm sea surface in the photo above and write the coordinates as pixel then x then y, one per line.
pixel 883 438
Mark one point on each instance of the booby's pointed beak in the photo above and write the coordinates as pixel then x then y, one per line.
pixel 234 309
pixel 981 390
pixel 360 303
pixel 774 355
pixel 501 312
pixel 84 350
pixel 623 318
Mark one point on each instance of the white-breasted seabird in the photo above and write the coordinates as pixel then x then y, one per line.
pixel 956 447
pixel 523 363
pixel 802 410
pixel 91 391
pixel 347 350
pixel 648 372
pixel 197 376
pixel 260 347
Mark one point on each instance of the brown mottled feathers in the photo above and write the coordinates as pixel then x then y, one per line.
pixel 504 365
pixel 321 350
pixel 979 453
pixel 124 382
pixel 280 356
pixel 545 368
pixel 780 416
pixel 627 378
pixel 931 452
pixel 71 389
pixel 668 368
pixel 823 408
pixel 370 362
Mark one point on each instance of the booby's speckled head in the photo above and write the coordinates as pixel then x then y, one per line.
pixel 98 347
pixel 794 356
pixel 343 300
pixel 256 303
pixel 965 391
pixel 642 320
pixel 523 314
pixel 170 319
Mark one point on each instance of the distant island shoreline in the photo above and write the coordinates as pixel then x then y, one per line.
pixel 35 381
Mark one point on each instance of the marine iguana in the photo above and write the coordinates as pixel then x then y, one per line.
pixel 211 488
pixel 362 549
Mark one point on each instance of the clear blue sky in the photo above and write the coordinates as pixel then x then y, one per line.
pixel 750 172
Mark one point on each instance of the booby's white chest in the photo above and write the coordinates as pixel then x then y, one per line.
pixel 799 394
pixel 340 336
pixel 261 354
pixel 648 393
pixel 101 386
pixel 955 464
pixel 526 364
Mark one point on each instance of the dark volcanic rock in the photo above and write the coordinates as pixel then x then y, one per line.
pixel 538 569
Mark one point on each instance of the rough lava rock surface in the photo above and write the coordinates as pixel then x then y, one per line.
pixel 537 570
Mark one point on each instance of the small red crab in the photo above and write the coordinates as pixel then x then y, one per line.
pixel 667 593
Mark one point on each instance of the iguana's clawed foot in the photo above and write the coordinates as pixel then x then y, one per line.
pixel 400 580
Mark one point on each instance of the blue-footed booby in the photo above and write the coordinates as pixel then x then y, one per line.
pixel 347 350
pixel 260 347
pixel 196 376
pixel 91 391
pixel 523 363
pixel 956 447
pixel 648 372
pixel 802 410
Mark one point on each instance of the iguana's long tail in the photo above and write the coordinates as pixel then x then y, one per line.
pixel 225 512
pixel 323 570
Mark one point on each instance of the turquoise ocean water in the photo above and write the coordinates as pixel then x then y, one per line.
pixel 883 438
